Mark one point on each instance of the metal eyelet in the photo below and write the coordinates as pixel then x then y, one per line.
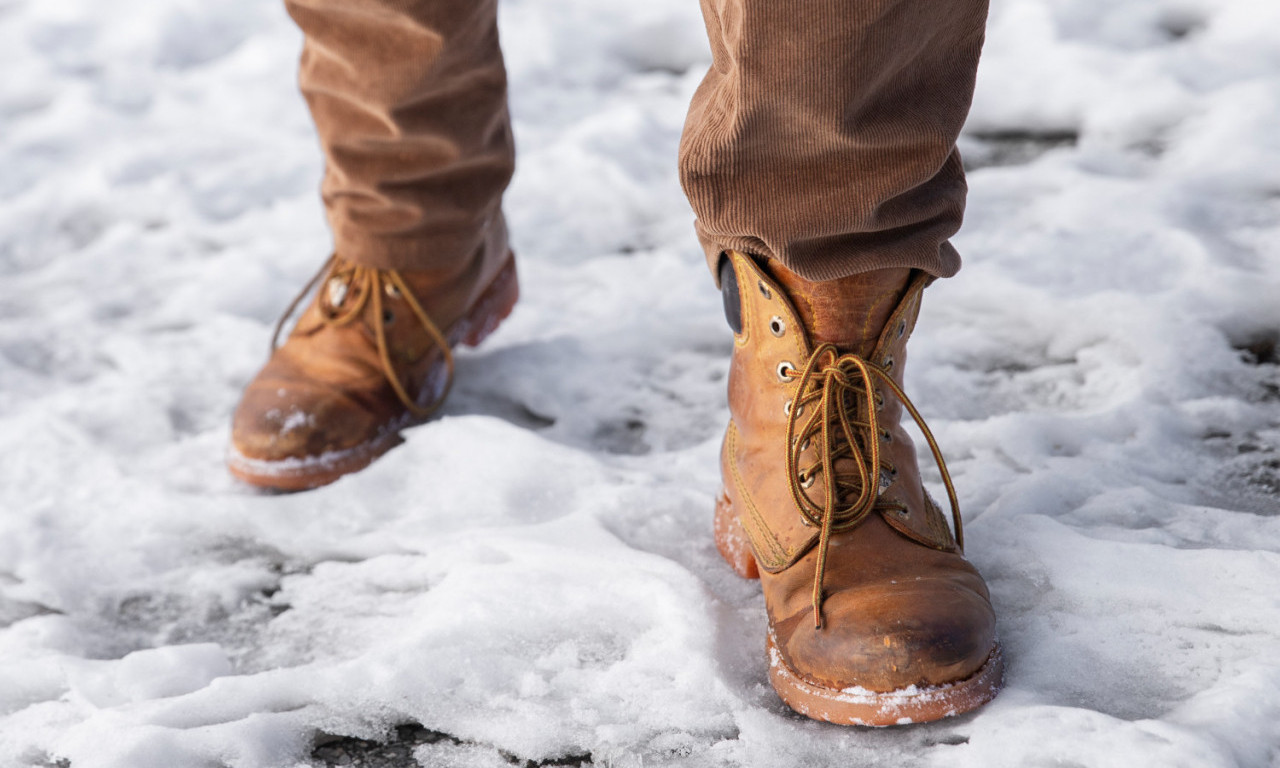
pixel 888 364
pixel 807 481
pixel 805 445
pixel 879 401
pixel 388 317
pixel 786 408
pixel 784 368
pixel 764 290
pixel 777 326
pixel 336 291
pixel 391 290
pixel 902 328
pixel 886 436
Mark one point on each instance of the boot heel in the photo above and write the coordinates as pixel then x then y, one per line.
pixel 732 541
pixel 493 306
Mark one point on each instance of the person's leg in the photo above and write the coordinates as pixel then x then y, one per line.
pixel 819 156
pixel 409 101
pixel 824 134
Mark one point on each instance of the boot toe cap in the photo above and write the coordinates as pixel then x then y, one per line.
pixel 922 634
pixel 292 421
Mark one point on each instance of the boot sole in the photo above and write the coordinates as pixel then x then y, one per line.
pixel 299 474
pixel 854 706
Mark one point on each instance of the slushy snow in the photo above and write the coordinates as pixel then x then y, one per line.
pixel 533 573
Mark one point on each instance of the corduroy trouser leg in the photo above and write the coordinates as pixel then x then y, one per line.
pixel 823 135
pixel 409 98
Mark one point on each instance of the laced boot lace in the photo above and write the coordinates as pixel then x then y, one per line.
pixel 839 393
pixel 369 284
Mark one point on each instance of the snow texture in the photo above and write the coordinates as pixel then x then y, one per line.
pixel 531 577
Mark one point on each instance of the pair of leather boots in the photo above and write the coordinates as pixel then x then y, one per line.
pixel 875 617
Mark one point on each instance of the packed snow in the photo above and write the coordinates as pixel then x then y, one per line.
pixel 531 577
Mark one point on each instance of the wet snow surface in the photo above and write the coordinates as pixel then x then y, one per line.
pixel 531 579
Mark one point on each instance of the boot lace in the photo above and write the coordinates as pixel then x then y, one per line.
pixel 839 393
pixel 369 284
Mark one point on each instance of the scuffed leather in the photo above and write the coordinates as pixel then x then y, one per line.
pixel 903 607
pixel 324 390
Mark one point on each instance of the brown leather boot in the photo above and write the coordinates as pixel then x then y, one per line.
pixel 370 356
pixel 875 617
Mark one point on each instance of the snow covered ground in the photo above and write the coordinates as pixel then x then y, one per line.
pixel 532 577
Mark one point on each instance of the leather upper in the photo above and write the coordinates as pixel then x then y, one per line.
pixel 901 605
pixel 326 390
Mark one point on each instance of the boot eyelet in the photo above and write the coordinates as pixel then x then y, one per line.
pixel 879 402
pixel 806 481
pixel 336 291
pixel 388 317
pixel 786 408
pixel 777 326
pixel 902 328
pixel 391 291
pixel 764 290
pixel 785 369
pixel 886 436
pixel 805 445
pixel 888 364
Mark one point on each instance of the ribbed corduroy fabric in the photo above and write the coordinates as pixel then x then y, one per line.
pixel 823 135
pixel 409 98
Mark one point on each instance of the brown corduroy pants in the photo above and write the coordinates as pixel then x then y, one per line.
pixel 823 135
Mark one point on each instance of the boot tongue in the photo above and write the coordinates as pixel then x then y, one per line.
pixel 849 312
